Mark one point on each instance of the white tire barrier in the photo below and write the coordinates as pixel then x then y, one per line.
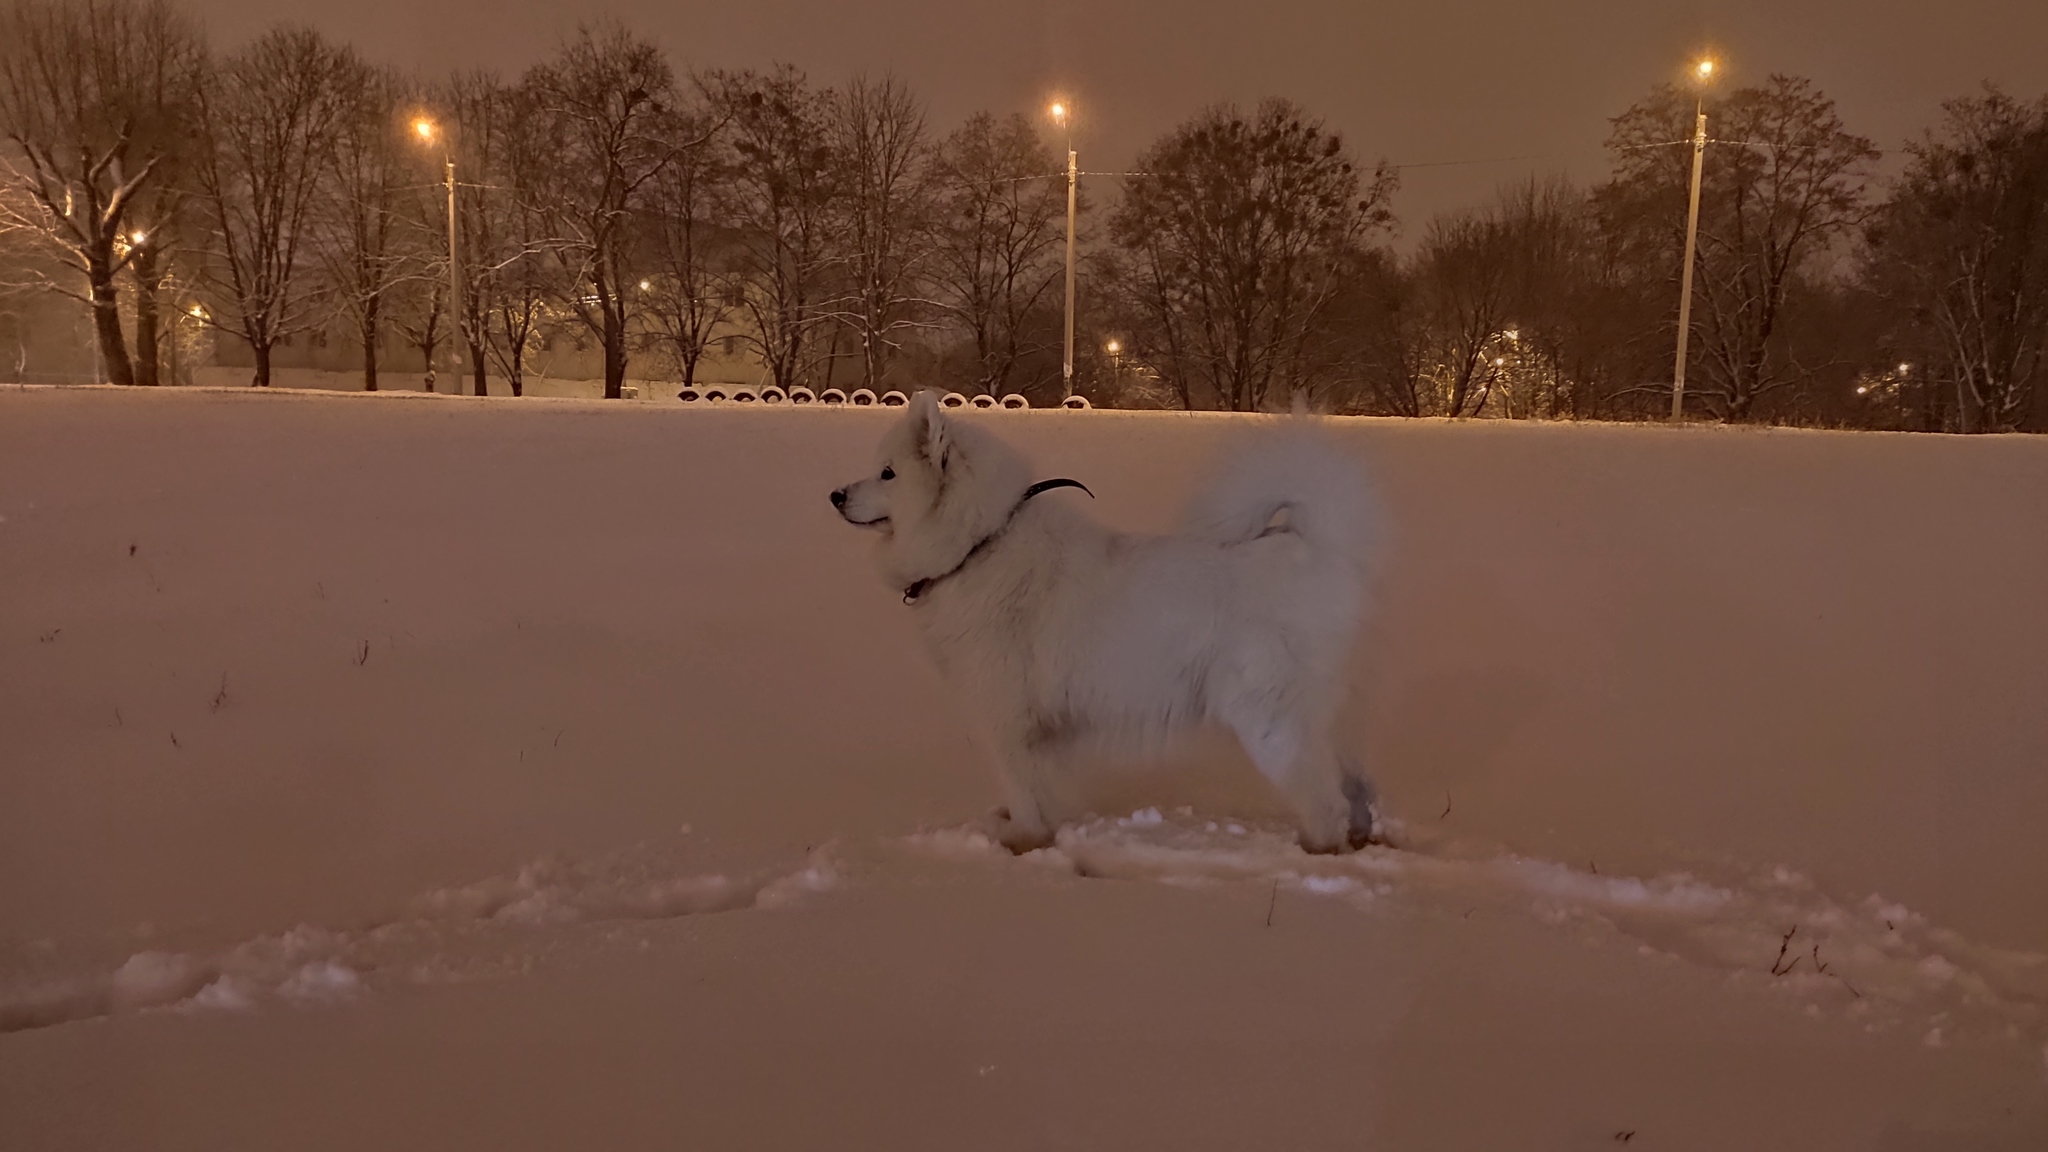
pixel 802 395
pixel 773 395
pixel 952 400
pixel 716 394
pixel 741 394
pixel 690 395
pixel 1078 403
pixel 894 399
pixel 1015 401
pixel 983 400
pixel 862 398
pixel 832 396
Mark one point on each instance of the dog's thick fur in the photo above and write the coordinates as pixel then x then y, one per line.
pixel 1066 636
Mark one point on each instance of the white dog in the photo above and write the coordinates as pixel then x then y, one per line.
pixel 1067 636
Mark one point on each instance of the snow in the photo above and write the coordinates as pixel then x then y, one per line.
pixel 575 751
pixel 320 981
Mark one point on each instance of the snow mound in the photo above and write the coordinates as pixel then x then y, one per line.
pixel 310 965
pixel 1874 959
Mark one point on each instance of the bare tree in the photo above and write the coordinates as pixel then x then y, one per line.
pixel 997 254
pixel 1960 253
pixel 601 104
pixel 1233 243
pixel 1464 281
pixel 421 319
pixel 878 138
pixel 508 267
pixel 363 240
pixel 1783 182
pixel 498 231
pixel 269 114
pixel 1518 307
pixel 688 250
pixel 92 104
pixel 779 201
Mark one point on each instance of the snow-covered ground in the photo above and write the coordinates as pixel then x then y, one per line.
pixel 423 772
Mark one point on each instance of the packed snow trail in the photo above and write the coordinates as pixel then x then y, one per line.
pixel 1871 960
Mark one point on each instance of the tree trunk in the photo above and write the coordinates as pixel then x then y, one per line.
pixel 262 378
pixel 147 280
pixel 516 376
pixel 106 317
pixel 614 359
pixel 370 345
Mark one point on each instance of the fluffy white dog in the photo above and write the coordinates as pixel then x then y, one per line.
pixel 1066 636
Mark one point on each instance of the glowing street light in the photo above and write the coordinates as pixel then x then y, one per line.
pixel 1703 72
pixel 1061 115
pixel 428 132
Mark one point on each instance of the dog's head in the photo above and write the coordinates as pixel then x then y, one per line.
pixel 937 488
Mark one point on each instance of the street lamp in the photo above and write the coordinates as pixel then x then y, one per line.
pixel 428 131
pixel 1703 72
pixel 1062 115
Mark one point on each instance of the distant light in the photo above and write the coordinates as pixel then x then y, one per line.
pixel 1514 334
pixel 1115 347
pixel 646 284
pixel 1059 111
pixel 1705 70
pixel 1861 389
pixel 424 128
pixel 1905 368
pixel 1499 360
pixel 137 237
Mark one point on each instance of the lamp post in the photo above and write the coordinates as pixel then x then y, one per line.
pixel 1702 72
pixel 1062 116
pixel 428 131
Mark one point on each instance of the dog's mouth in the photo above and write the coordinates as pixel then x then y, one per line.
pixel 877 522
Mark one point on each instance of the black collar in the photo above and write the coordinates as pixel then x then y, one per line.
pixel 918 589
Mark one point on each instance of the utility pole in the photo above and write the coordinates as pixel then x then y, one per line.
pixel 1703 71
pixel 1692 228
pixel 1063 116
pixel 454 285
pixel 1073 182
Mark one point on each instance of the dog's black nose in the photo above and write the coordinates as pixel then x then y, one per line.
pixel 839 498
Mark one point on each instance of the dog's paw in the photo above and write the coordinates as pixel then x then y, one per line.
pixel 1022 840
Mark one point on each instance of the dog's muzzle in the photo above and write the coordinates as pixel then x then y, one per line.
pixel 839 497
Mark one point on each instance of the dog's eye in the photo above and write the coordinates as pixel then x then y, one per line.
pixel 888 473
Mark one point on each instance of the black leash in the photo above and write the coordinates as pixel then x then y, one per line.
pixel 911 594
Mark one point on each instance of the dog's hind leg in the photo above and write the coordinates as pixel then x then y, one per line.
pixel 1304 768
pixel 1364 805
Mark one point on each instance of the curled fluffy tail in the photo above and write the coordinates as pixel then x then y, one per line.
pixel 1297 481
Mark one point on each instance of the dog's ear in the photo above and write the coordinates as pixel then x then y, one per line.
pixel 928 429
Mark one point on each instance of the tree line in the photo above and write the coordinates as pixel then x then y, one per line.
pixel 292 186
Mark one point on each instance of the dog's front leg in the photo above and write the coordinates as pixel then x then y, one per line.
pixel 1027 825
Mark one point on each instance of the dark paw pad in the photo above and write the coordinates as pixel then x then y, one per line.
pixel 1019 844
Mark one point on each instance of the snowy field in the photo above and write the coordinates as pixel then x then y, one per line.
pixel 391 772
